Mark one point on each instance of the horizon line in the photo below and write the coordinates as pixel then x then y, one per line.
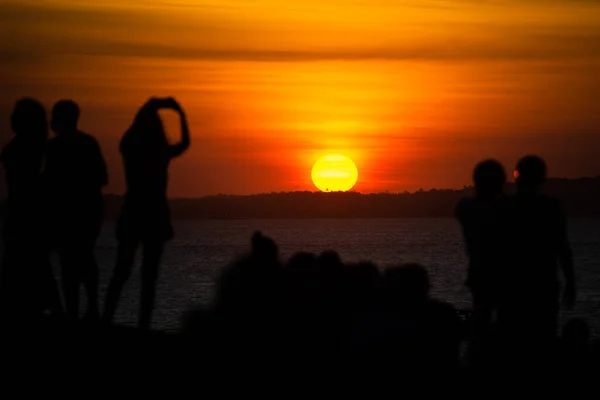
pixel 385 192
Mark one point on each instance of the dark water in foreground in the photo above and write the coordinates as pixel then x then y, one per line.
pixel 202 248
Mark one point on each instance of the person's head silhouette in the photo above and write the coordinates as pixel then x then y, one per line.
pixel 264 248
pixel 65 116
pixel 530 173
pixel 489 178
pixel 29 119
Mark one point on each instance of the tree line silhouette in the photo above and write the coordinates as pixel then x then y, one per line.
pixel 581 198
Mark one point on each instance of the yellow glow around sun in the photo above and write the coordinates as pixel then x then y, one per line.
pixel 334 172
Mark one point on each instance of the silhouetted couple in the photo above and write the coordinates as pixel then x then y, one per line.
pixel 145 216
pixel 59 208
pixel 515 246
pixel 76 172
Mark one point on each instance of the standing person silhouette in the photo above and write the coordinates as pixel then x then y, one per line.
pixel 530 303
pixel 75 174
pixel 483 219
pixel 28 287
pixel 145 216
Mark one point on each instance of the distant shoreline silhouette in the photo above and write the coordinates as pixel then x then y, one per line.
pixel 581 198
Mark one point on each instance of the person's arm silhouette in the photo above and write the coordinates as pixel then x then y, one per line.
pixel 155 104
pixel 565 258
pixel 178 149
pixel 99 164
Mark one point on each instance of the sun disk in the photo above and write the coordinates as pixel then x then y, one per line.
pixel 334 172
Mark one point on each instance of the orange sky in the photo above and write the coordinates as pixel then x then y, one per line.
pixel 415 92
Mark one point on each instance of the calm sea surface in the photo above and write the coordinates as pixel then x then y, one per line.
pixel 201 249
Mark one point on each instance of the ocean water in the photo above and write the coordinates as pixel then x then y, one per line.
pixel 201 249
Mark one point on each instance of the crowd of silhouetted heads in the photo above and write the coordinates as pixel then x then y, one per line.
pixel 306 308
pixel 314 306
pixel 317 305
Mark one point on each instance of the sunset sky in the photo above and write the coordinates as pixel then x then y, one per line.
pixel 415 92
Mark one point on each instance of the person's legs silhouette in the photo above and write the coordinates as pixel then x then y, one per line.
pixel 50 296
pixel 70 282
pixel 90 282
pixel 152 255
pixel 122 272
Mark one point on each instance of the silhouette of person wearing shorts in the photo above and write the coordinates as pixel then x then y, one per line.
pixel 484 222
pixel 75 174
pixel 145 216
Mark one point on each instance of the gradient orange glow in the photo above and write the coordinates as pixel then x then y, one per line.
pixel 414 92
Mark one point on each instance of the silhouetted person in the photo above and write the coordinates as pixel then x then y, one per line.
pixel 27 285
pixel 575 340
pixel 530 302
pixel 74 175
pixel 145 216
pixel 246 316
pixel 484 223
pixel 249 283
pixel 407 325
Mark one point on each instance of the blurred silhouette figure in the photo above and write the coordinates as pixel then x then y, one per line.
pixel 576 339
pixel 363 279
pixel 484 222
pixel 74 175
pixel 145 216
pixel 530 299
pixel 249 284
pixel 576 358
pixel 406 325
pixel 27 287
pixel 304 294
pixel 247 316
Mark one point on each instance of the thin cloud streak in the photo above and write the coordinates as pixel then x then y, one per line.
pixel 160 29
pixel 559 47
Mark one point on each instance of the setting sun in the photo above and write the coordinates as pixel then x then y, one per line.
pixel 334 173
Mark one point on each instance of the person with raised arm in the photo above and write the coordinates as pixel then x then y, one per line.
pixel 145 216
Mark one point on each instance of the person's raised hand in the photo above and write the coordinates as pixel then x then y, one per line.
pixel 153 102
pixel 171 103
